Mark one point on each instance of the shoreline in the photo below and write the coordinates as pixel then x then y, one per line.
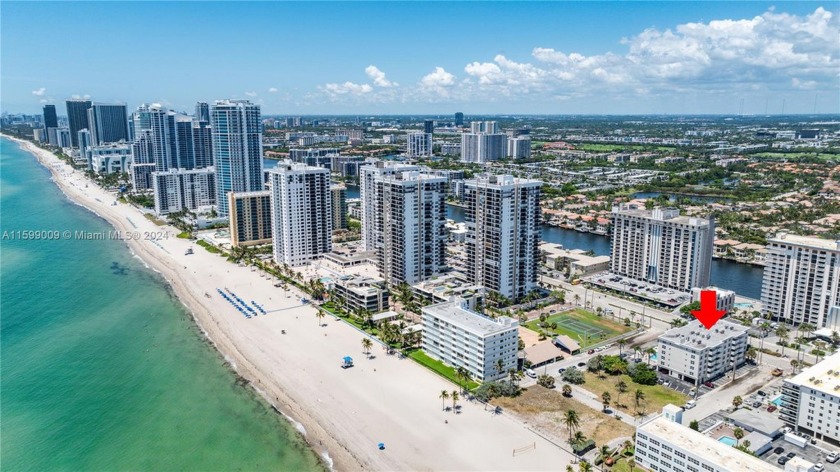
pixel 341 413
pixel 223 346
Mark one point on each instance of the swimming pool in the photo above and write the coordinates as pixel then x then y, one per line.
pixel 728 440
pixel 743 305
pixel 653 357
pixel 777 401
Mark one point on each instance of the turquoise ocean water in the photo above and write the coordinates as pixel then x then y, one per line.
pixel 100 367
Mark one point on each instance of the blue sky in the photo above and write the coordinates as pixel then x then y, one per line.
pixel 430 58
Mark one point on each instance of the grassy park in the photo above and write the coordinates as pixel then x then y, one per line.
pixel 440 368
pixel 655 396
pixel 581 325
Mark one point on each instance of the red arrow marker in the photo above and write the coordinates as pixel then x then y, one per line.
pixel 708 314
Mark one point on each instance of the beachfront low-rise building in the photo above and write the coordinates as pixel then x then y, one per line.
pixel 695 354
pixel 460 337
pixel 663 445
pixel 361 293
pixel 443 288
pixel 250 218
pixel 114 158
pixel 181 189
pixel 811 400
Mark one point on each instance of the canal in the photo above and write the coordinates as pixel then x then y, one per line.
pixel 743 279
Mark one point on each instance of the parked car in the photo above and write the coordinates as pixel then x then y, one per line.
pixel 591 351
pixel 782 460
pixel 779 450
pixel 791 455
pixel 756 404
pixel 819 467
pixel 832 457
pixel 581 364
pixel 761 393
pixel 709 384
pixel 562 369
pixel 530 373
pixel 690 404
pixel 771 408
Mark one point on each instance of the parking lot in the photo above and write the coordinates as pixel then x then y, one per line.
pixel 813 454
pixel 637 288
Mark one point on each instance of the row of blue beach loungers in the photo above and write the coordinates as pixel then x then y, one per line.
pixel 240 304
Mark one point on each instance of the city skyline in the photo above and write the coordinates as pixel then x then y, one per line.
pixel 569 58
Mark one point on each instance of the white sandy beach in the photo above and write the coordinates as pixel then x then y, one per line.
pixel 345 413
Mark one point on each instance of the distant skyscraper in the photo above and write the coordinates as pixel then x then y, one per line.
pixel 77 117
pixel 301 211
pixel 339 207
pixel 85 143
pixel 50 117
pixel 202 112
pixel 459 119
pixel 108 123
pixel 237 148
pixel 419 144
pixel 202 144
pixel 661 247
pixel 486 127
pixel 503 233
pixel 161 123
pixel 186 141
pixel 519 148
pixel 480 147
pixel 429 126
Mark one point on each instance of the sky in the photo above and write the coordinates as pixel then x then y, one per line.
pixel 427 58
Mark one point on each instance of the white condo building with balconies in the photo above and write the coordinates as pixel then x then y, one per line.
pixel 460 337
pixel 801 280
pixel 696 354
pixel 811 400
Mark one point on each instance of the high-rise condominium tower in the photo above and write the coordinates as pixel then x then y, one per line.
pixel 237 148
pixel 77 117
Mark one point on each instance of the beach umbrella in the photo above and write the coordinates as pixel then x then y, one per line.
pixel 381 446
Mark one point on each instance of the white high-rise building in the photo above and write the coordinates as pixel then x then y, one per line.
pixel 519 148
pixel 811 400
pixel 661 247
pixel 801 279
pixel 301 212
pixel 181 189
pixel 403 220
pixel 503 233
pixel 419 144
pixel 481 147
pixel 237 148
pixel 696 354
pixel 485 127
pixel 460 337
pixel 665 446
pixel 368 174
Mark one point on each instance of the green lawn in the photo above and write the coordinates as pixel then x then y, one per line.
pixel 210 248
pixel 621 147
pixel 656 396
pixel 797 155
pixel 440 368
pixel 608 327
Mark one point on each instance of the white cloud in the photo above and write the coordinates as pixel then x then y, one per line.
pixel 251 94
pixel 378 77
pixel 438 78
pixel 44 100
pixel 39 92
pixel 272 89
pixel 347 88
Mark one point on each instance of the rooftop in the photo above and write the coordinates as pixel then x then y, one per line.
pixel 695 336
pixel 810 241
pixel 703 446
pixel 499 181
pixel 823 377
pixel 671 215
pixel 455 313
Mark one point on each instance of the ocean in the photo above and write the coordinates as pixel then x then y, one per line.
pixel 101 367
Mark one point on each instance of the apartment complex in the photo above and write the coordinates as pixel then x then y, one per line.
pixel 811 400
pixel 77 119
pixel 301 210
pixel 419 144
pixel 362 293
pixel 108 123
pixel 457 336
pixel 696 355
pixel 237 148
pixel 181 189
pixel 661 247
pixel 403 220
pixel 250 218
pixel 666 446
pixel 503 233
pixel 107 158
pixel 575 262
pixel 519 147
pixel 801 279
pixel 483 147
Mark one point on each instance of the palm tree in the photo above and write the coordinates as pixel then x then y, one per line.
pixel 604 452
pixel 639 397
pixel 750 355
pixel 649 352
pixel 577 299
pixel 572 421
pixel 567 390
pixel 464 375
pixel 500 366
pixel 621 343
pixel 366 345
pixel 739 434
pixel 605 399
pixel 737 401
pixel 794 364
pixel 455 397
pixel 585 466
pixel 782 333
pixel 621 387
pixel 320 315
pixel 444 395
pixel 569 468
